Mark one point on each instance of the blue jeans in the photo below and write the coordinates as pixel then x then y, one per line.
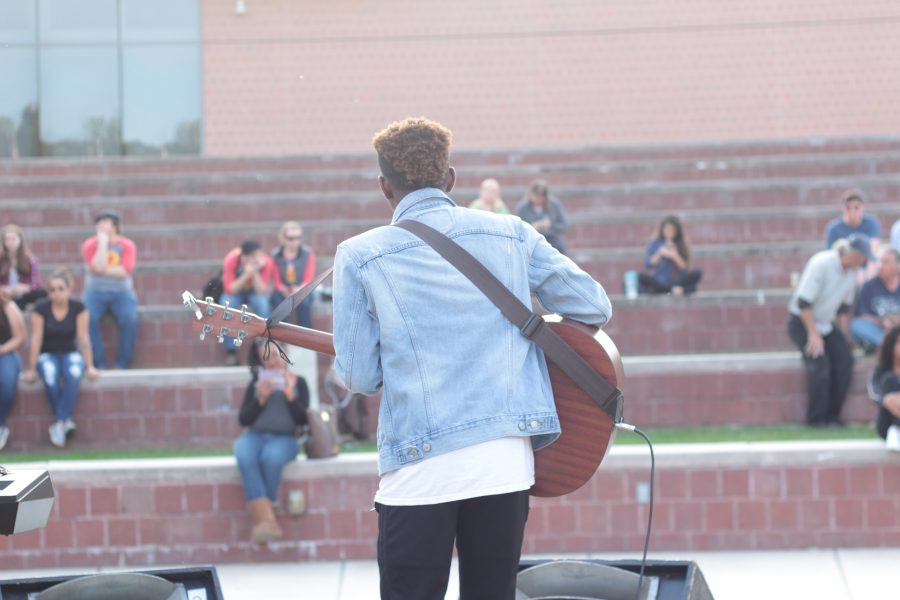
pixel 124 308
pixel 261 457
pixel 258 304
pixel 9 381
pixel 866 332
pixel 61 374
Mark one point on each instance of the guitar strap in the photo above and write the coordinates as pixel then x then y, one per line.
pixel 531 324
pixel 287 306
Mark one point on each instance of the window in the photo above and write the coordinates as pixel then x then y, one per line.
pixel 100 77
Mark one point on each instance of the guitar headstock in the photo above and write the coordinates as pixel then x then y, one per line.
pixel 223 321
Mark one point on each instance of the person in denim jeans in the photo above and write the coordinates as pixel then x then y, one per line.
pixel 60 352
pixel 249 276
pixel 108 287
pixel 12 336
pixel 274 406
pixel 296 264
pixel 466 397
pixel 877 306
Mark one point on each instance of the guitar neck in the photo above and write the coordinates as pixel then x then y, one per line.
pixel 311 339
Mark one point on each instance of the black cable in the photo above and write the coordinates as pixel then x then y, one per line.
pixel 627 427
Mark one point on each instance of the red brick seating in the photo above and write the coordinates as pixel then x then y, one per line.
pixel 197 408
pixel 708 497
pixel 707 322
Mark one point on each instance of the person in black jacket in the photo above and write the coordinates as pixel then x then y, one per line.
pixel 884 389
pixel 274 407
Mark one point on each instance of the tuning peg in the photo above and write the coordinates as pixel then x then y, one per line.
pixel 227 313
pixel 207 328
pixel 239 340
pixel 222 333
pixel 209 300
pixel 191 303
pixel 245 318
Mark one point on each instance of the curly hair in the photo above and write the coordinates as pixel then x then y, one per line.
pixel 414 153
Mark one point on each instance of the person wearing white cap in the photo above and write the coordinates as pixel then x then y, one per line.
pixel 819 325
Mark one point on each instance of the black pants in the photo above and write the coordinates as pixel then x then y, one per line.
pixel 827 376
pixel 885 417
pixel 415 547
pixel 688 280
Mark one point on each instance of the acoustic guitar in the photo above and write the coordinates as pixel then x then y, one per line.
pixel 588 429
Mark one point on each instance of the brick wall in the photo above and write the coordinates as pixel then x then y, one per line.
pixel 313 77
pixel 741 496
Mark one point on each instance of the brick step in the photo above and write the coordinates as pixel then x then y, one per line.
pixel 588 232
pixel 139 408
pixel 198 407
pixel 513 177
pixel 708 322
pixel 747 496
pixel 725 267
pixel 366 203
pixel 704 156
pixel 511 174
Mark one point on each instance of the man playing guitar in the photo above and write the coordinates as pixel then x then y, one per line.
pixel 466 397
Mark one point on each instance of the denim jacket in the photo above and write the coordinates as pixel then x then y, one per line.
pixel 455 371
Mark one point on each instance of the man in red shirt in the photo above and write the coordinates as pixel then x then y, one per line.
pixel 108 287
pixel 249 276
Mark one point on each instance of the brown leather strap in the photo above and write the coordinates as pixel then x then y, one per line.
pixel 287 306
pixel 529 323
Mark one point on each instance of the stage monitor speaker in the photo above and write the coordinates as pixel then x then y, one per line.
pixel 26 497
pixel 189 583
pixel 591 579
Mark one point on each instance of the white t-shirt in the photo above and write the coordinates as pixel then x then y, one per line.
pixel 495 467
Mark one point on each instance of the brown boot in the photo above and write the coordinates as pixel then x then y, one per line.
pixel 265 526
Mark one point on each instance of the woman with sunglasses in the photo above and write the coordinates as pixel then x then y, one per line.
pixel 296 267
pixel 60 352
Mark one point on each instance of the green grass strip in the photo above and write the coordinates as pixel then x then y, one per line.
pixel 669 435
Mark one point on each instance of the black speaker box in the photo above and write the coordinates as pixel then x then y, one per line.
pixel 675 580
pixel 199 583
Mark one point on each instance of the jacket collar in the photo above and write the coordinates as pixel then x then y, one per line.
pixel 420 200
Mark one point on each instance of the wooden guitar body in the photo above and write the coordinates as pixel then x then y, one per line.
pixel 588 430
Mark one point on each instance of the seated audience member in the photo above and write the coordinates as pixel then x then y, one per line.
pixel 667 261
pixel 249 276
pixel 108 287
pixel 296 264
pixel 884 389
pixel 489 198
pixel 20 275
pixel 12 336
pixel 819 325
pixel 60 352
pixel 895 235
pixel 545 213
pixel 274 407
pixel 877 307
pixel 853 219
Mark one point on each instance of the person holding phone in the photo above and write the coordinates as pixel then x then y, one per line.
pixel 274 407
